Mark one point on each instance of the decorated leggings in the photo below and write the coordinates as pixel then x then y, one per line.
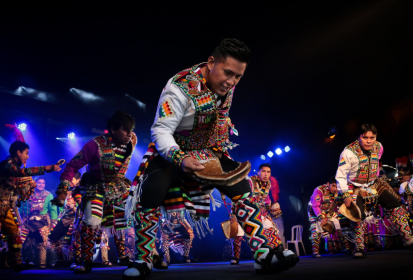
pixel 160 176
pixel 10 228
pixel 316 236
pixel 236 246
pixel 88 238
pixel 398 217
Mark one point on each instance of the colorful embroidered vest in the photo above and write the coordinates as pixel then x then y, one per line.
pixel 260 189
pixel 211 123
pixel 368 162
pixel 36 203
pixel 328 198
pixel 107 158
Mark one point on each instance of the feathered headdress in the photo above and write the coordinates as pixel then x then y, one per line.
pixel 18 135
pixel 275 189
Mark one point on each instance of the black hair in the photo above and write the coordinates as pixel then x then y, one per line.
pixel 17 146
pixel 120 119
pixel 77 175
pixel 332 180
pixel 264 165
pixel 368 127
pixel 233 48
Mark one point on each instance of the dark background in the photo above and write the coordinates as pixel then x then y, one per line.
pixel 314 65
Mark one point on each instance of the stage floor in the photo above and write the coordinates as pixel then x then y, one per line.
pixel 376 266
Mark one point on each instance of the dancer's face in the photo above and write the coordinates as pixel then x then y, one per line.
pixel 23 156
pixel 367 140
pixel 224 74
pixel 265 174
pixel 40 184
pixel 121 136
pixel 333 187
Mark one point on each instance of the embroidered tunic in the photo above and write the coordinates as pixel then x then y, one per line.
pixel 15 183
pixel 322 203
pixel 103 163
pixel 357 167
pixel 190 118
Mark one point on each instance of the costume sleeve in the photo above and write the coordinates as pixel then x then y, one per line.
pixel 171 108
pixel 407 187
pixel 344 168
pixel 88 153
pixel 16 171
pixel 380 154
pixel 316 200
pixel 49 208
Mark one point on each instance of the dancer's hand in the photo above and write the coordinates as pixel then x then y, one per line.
pixel 51 168
pixel 348 202
pixel 189 164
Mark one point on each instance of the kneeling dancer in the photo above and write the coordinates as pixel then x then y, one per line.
pixel 190 133
pixel 358 183
pixel 322 209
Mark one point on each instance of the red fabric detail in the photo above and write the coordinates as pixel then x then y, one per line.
pixel 275 189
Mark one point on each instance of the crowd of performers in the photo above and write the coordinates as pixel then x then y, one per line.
pixel 357 210
pixel 187 159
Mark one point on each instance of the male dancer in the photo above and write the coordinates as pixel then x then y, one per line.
pixel 357 182
pixel 105 187
pixel 177 230
pixel 265 190
pixel 12 191
pixel 61 233
pixel 191 128
pixel 322 208
pixel 39 215
pixel 406 186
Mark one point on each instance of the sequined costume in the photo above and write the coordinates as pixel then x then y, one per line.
pixel 357 178
pixel 322 206
pixel 104 189
pixel 191 121
pixel 16 185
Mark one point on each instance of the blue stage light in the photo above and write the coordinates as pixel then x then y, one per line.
pixel 263 157
pixel 278 151
pixel 71 135
pixel 287 149
pixel 22 127
pixel 270 154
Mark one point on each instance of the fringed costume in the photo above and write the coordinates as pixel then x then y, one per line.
pixel 191 121
pixel 104 189
pixel 357 178
pixel 16 185
pixel 322 206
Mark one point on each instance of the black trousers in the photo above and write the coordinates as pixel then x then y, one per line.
pixel 386 200
pixel 162 175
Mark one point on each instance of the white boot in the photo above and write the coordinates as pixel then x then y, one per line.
pixel 137 270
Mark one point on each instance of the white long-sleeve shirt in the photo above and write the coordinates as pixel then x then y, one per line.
pixel 179 117
pixel 348 168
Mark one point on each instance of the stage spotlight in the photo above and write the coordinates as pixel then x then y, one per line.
pixel 71 135
pixel 263 157
pixel 22 127
pixel 287 149
pixel 278 151
pixel 332 132
pixel 106 131
pixel 270 154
